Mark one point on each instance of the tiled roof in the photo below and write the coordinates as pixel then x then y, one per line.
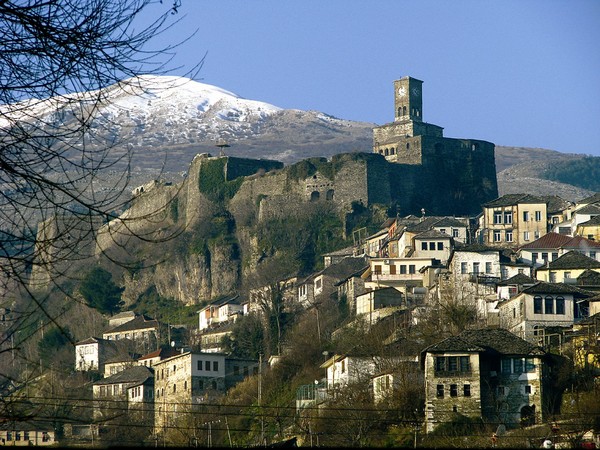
pixel 348 251
pixel 475 248
pixel 513 199
pixel 589 209
pixel 139 323
pixel 574 260
pixel 345 267
pixel 450 222
pixel 581 243
pixel 161 352
pixel 494 340
pixel 594 198
pixel 432 234
pixel 517 279
pixel 91 340
pixel 426 224
pixel 541 287
pixel 593 221
pixel 556 204
pixel 549 240
pixel 135 374
pixel 589 277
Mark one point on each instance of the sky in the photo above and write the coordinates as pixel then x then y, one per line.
pixel 522 73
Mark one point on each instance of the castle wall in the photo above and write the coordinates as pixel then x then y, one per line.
pixel 243 167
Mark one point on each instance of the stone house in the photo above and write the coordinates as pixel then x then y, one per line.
pixel 93 353
pixel 512 286
pixel 133 385
pixel 404 274
pixel 379 303
pixel 487 374
pixel 144 331
pixel 589 229
pixel 394 381
pixel 27 433
pixel 190 378
pixel 513 220
pixel 567 268
pixel 322 285
pixel 349 288
pixel 219 311
pixel 543 309
pixel 553 245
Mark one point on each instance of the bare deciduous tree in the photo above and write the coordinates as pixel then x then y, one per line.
pixel 61 63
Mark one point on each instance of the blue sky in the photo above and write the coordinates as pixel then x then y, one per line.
pixel 513 72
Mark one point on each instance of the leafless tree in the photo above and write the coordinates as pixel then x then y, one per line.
pixel 61 63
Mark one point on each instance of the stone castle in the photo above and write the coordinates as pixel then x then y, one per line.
pixel 412 167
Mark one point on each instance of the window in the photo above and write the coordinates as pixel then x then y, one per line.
pixel 488 267
pixel 440 364
pixel 440 246
pixel 538 216
pixel 526 235
pixel 464 364
pixel 318 281
pixel 453 390
pixel 17 436
pixel 344 366
pixel 545 257
pixel 206 365
pixel 432 246
pixel 455 232
pixel 497 236
pixel 200 365
pixel 528 389
pixel 440 391
pixel 377 269
pixel 467 390
pixel 560 305
pixel 463 268
pixel 529 365
pixel 26 435
pixel 174 368
pixel 534 257
pixel 525 216
pixel 567 275
pixel 554 256
pixel 549 305
pixel 536 234
pixel 411 269
pixel 593 255
pixel 475 267
pixel 402 269
pixel 497 216
pixel 508 217
pixel 423 245
pixel 452 363
pixel 392 269
pixel 174 388
pixel 552 277
pixel 509 236
pixel 505 366
pixel 537 304
pixel 517 365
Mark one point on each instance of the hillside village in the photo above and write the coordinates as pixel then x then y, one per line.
pixel 431 330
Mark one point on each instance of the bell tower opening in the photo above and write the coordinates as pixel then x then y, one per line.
pixel 408 99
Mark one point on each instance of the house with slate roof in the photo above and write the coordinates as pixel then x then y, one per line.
pixel 94 353
pixel 133 385
pixel 542 309
pixel 589 229
pixel 219 311
pixel 144 331
pixel 512 286
pixel 487 374
pixel 567 268
pixel 583 213
pixel 513 220
pixel 322 284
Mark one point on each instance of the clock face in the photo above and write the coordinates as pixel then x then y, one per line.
pixel 416 91
pixel 402 90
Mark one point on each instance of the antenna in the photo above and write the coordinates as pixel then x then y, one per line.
pixel 222 143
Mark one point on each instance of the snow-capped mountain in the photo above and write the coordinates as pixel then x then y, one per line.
pixel 169 120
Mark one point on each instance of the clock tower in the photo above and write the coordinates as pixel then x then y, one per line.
pixel 408 99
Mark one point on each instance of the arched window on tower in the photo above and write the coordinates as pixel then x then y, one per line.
pixel 314 196
pixel 329 195
pixel 404 110
pixel 407 145
pixel 387 152
pixel 399 111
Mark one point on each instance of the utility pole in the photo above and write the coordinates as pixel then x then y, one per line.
pixel 262 420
